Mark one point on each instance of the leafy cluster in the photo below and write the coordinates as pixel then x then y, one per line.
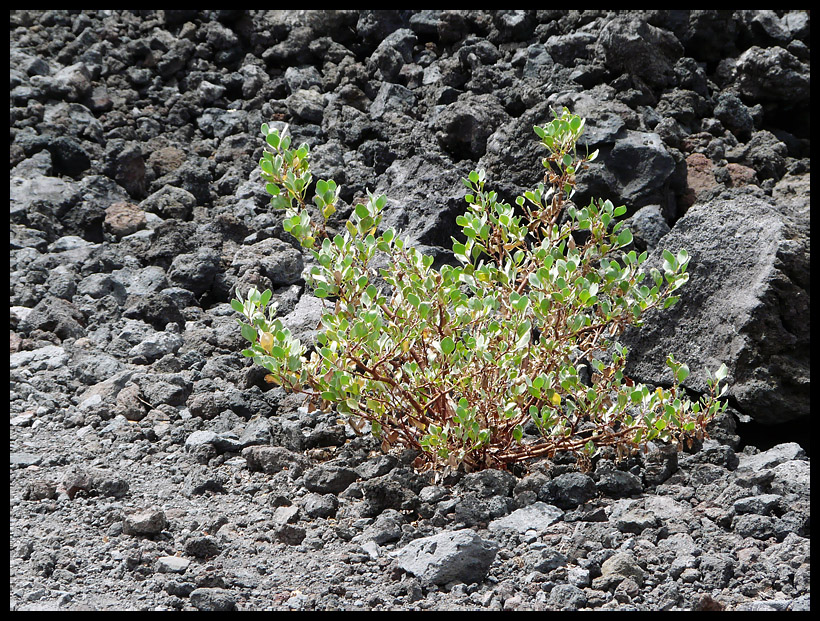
pixel 509 354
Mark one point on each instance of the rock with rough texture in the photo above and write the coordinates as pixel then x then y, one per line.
pixel 568 490
pixel 536 517
pixel 640 49
pixel 464 125
pixel 746 305
pixel 409 185
pixel 122 219
pixel 457 556
pixel 144 522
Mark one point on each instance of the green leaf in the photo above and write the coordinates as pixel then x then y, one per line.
pixel 237 306
pixel 360 329
pixel 625 237
pixel 248 332
pixel 669 259
pixel 447 345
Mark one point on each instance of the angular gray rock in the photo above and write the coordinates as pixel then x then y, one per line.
pixel 270 258
pixel 148 521
pixel 213 599
pixel 304 320
pixel 328 478
pixel 272 459
pixel 638 48
pixel 772 75
pixel 746 305
pixel 424 196
pixel 464 126
pixel 567 491
pixel 535 517
pixel 60 317
pixel 773 457
pixel 450 556
pixel 620 566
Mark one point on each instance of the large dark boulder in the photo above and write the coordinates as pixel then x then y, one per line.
pixel 746 303
pixel 424 196
pixel 631 45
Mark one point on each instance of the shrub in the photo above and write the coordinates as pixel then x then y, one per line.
pixel 480 364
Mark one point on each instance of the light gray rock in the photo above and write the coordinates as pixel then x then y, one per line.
pixel 452 556
pixel 154 347
pixel 792 477
pixel 144 522
pixel 424 196
pixel 304 320
pixel 271 258
pixel 48 357
pixel 771 458
pixel 172 565
pixel 567 597
pixel 622 565
pixel 392 98
pixel 537 516
pixel 746 305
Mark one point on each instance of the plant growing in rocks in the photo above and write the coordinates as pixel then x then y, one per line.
pixel 508 355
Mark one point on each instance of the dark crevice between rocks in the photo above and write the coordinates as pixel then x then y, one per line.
pixel 765 437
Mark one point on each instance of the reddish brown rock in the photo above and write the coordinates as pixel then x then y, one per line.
pixel 741 175
pixel 122 219
pixel 700 177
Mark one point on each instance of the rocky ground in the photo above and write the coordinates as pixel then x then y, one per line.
pixel 151 468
